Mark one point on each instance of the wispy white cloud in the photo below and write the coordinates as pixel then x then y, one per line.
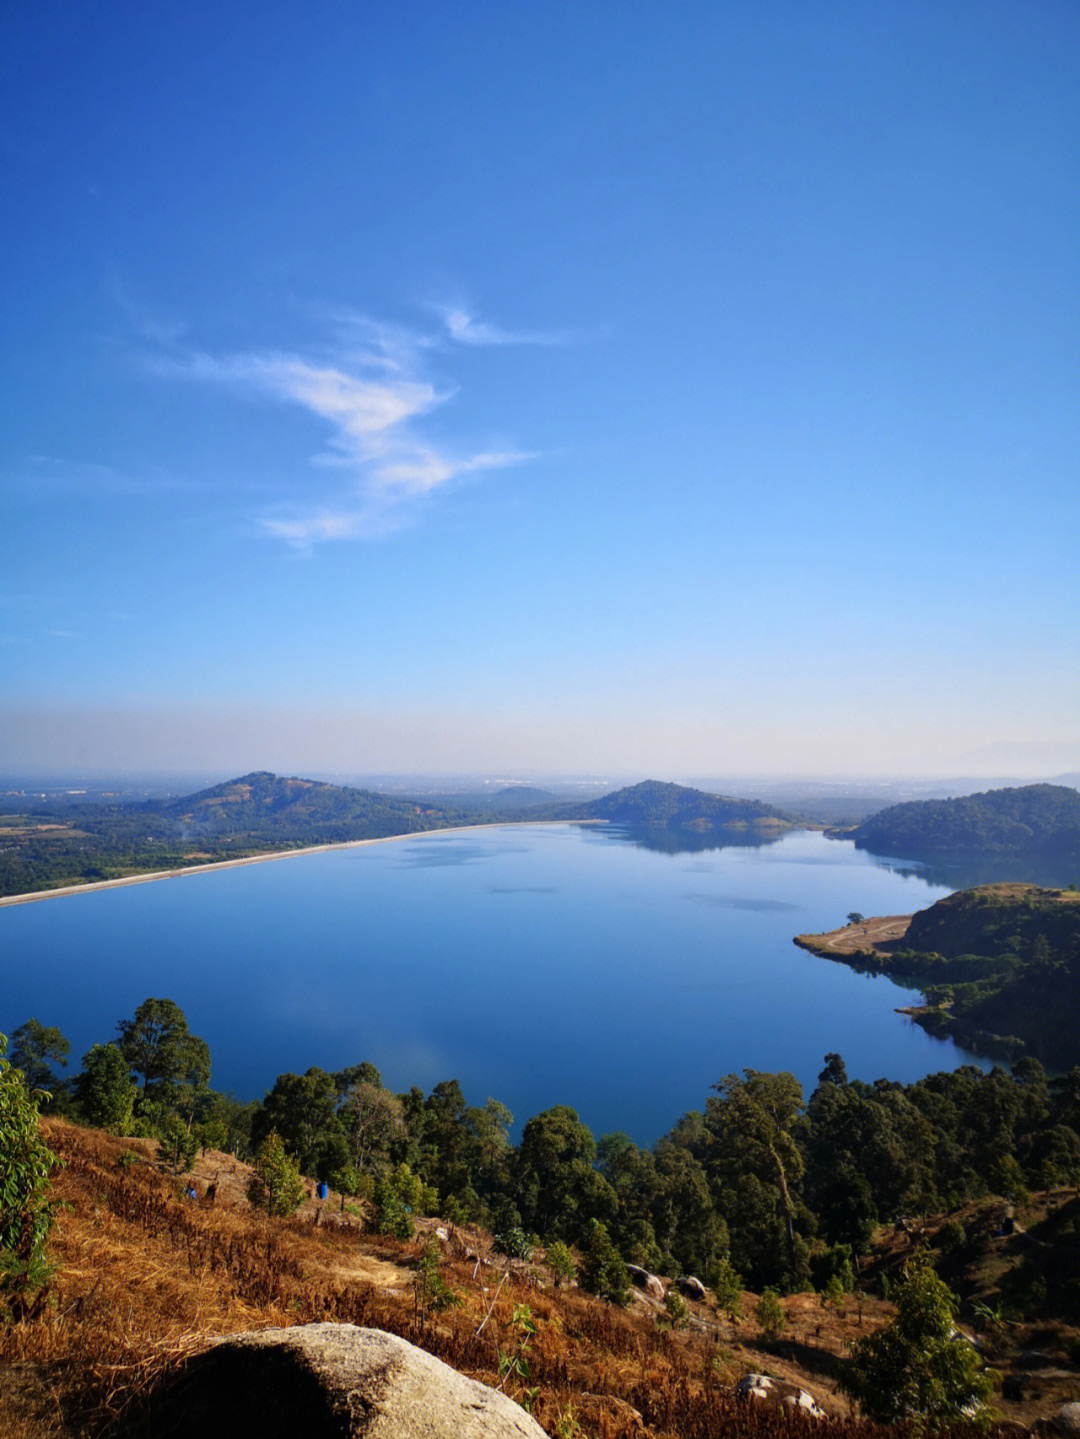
pixel 466 329
pixel 374 394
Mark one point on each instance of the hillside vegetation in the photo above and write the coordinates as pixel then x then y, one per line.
pixel 1033 822
pixel 145 1278
pixel 999 966
pixel 761 1190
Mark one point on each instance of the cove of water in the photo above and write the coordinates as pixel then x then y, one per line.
pixel 537 964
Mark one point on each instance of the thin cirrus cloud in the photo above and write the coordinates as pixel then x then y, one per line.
pixel 467 330
pixel 373 397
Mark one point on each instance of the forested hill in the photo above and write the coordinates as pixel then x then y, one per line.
pixel 263 805
pixel 657 806
pixel 1037 821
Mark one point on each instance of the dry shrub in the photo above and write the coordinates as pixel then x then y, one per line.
pixel 146 1277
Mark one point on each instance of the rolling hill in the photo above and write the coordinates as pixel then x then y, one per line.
pixel 1038 821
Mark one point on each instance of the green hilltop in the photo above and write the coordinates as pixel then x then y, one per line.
pixel 1037 821
pixel 998 965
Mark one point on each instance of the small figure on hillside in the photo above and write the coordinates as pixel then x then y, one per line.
pixel 211 1190
pixel 191 1192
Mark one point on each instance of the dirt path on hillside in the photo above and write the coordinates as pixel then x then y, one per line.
pixel 880 936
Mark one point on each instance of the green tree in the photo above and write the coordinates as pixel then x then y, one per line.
pixel 835 1071
pixel 917 1367
pixel 26 1215
pixel 431 1293
pixel 176 1144
pixel 157 1044
pixel 561 1263
pixel 728 1288
pixel 372 1118
pixel 559 1192
pixel 755 1167
pixel 34 1050
pixel 602 1270
pixel 770 1314
pixel 275 1185
pixel 301 1109
pixel 105 1090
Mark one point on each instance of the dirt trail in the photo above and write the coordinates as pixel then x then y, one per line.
pixel 880 936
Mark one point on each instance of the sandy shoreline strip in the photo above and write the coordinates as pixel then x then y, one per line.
pixel 186 870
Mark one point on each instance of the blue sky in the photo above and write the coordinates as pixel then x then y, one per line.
pixel 579 388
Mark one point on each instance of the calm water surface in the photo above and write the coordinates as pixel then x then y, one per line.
pixel 537 964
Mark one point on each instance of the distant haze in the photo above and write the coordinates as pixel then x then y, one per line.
pixel 235 742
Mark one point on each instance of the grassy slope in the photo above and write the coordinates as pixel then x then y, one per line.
pixel 145 1278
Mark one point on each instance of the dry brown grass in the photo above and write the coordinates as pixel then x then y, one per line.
pixel 145 1278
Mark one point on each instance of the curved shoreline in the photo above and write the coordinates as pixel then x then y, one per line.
pixel 64 891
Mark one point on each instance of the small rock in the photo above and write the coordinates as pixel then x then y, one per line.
pixel 1066 1421
pixel 642 1279
pixel 692 1287
pixel 765 1388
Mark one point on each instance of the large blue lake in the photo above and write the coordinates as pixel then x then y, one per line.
pixel 540 965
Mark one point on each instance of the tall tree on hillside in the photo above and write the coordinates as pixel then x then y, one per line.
pixel 755 1168
pixel 558 1190
pixel 26 1214
pixel 35 1047
pixel 157 1044
pixel 372 1118
pixel 302 1110
pixel 105 1090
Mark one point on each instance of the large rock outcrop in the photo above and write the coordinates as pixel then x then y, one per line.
pixel 328 1381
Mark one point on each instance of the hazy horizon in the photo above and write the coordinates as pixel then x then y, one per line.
pixel 639 391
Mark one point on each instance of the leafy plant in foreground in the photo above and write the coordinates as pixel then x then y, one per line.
pixel 917 1367
pixel 26 1215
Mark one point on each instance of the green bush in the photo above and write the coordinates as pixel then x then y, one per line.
pixel 26 1214
pixel 561 1262
pixel 391 1215
pixel 675 1311
pixel 512 1242
pixel 770 1314
pixel 916 1368
pixel 603 1271
pixel 431 1293
pixel 952 1236
pixel 176 1145
pixel 728 1287
pixel 275 1185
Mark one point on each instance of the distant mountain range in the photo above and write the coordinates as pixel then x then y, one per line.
pixel 78 843
pixel 1036 821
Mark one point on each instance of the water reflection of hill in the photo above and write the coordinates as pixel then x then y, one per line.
pixel 965 871
pixel 663 840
